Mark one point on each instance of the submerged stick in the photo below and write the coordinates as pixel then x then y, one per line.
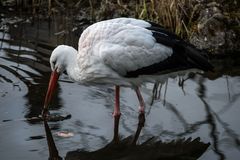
pixel 50 118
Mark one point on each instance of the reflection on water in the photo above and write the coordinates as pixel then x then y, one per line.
pixel 150 149
pixel 205 107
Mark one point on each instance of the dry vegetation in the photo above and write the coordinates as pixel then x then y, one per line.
pixel 174 14
pixel 179 16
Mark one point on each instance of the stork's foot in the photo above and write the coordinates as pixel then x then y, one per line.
pixel 141 121
pixel 116 127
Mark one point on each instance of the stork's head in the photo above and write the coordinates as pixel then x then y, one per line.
pixel 61 58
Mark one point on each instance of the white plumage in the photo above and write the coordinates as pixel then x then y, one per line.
pixel 108 47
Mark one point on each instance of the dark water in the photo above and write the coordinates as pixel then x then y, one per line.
pixel 206 107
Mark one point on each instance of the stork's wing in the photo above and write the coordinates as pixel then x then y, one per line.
pixel 132 48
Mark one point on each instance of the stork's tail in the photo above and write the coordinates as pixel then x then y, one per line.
pixel 198 58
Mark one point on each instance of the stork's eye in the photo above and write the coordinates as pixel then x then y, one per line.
pixel 65 72
pixel 54 62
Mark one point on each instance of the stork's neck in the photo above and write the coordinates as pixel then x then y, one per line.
pixel 72 68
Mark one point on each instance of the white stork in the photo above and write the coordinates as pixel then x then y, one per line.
pixel 124 52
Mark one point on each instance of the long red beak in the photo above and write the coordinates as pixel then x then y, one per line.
pixel 51 88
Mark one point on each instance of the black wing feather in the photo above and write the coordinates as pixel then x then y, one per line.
pixel 185 56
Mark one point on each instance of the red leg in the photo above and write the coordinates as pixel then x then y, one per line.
pixel 141 117
pixel 116 114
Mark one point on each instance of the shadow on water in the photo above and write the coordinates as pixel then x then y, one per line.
pixel 26 44
pixel 150 149
pixel 154 150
